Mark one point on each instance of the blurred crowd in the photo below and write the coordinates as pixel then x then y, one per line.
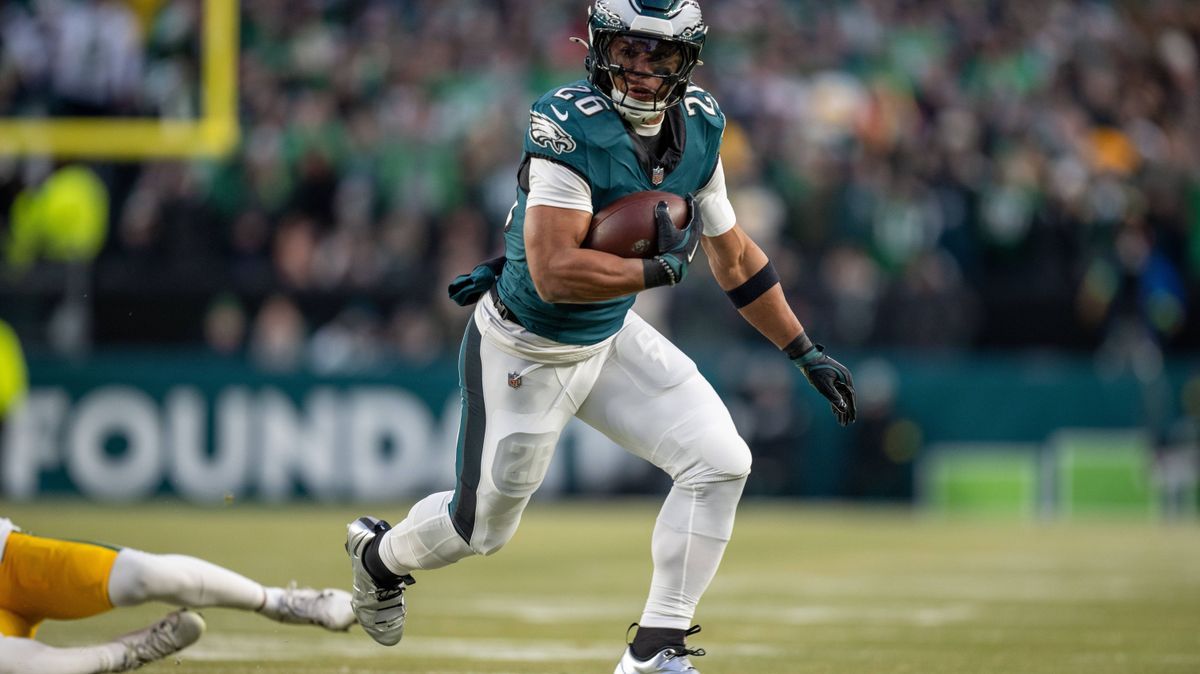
pixel 939 174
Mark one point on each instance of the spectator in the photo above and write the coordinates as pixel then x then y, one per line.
pixel 277 340
pixel 937 158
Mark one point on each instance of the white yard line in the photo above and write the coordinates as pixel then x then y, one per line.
pixel 575 609
pixel 966 587
pixel 800 612
pixel 224 647
pixel 929 616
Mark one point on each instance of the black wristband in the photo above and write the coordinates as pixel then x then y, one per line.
pixel 655 273
pixel 798 346
pixel 753 288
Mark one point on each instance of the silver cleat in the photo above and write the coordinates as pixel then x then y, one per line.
pixel 665 661
pixel 379 609
pixel 168 636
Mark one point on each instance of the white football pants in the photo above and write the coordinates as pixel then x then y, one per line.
pixel 637 388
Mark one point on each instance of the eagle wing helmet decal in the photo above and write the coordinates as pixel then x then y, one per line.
pixel 547 133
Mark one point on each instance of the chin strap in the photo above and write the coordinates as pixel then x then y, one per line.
pixel 632 112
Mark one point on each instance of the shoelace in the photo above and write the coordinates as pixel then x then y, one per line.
pixel 685 651
pixel 383 593
pixel 159 643
pixel 681 652
pixel 297 605
pixel 291 598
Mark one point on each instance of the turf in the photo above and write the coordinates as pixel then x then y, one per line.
pixel 803 589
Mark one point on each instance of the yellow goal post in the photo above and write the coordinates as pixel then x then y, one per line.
pixel 214 133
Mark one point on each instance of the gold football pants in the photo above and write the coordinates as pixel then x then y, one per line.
pixel 47 578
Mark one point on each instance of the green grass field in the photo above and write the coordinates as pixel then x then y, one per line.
pixel 803 589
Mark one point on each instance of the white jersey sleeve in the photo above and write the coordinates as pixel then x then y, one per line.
pixel 714 204
pixel 552 184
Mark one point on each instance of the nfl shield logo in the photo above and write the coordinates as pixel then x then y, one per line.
pixel 656 176
pixel 514 379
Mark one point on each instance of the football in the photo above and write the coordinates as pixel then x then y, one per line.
pixel 626 226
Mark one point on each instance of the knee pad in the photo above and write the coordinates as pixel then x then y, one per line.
pixel 712 452
pixel 496 532
pixel 733 458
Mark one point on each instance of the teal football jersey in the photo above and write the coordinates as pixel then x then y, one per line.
pixel 577 127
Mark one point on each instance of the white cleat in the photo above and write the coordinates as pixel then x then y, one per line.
pixel 170 635
pixel 379 609
pixel 668 660
pixel 328 608
pixel 673 659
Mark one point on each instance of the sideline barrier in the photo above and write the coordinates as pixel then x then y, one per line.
pixel 991 479
pixel 131 425
pixel 1103 473
pixel 1078 473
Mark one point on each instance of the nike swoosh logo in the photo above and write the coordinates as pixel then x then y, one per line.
pixel 691 254
pixel 562 116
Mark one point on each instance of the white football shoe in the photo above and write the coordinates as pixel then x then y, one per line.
pixel 328 608
pixel 664 662
pixel 379 609
pixel 170 635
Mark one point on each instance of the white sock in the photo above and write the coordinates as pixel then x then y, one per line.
pixel 689 539
pixel 138 577
pixel 426 539
pixel 272 602
pixel 22 656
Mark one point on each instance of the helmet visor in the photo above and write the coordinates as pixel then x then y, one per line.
pixel 645 56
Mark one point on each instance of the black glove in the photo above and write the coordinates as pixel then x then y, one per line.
pixel 468 288
pixel 676 247
pixel 831 379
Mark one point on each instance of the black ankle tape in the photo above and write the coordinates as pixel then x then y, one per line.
pixel 375 566
pixel 650 640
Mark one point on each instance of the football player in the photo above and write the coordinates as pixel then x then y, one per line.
pixel 552 335
pixel 44 578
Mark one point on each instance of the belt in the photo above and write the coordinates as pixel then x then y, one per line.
pixel 502 308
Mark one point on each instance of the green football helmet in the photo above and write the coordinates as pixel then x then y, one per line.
pixel 650 46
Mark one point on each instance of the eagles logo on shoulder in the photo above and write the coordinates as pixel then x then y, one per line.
pixel 547 133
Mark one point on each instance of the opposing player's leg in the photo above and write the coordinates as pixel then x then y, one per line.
pixel 47 578
pixel 651 399
pixel 170 635
pixel 513 412
pixel 21 656
pixel 138 577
